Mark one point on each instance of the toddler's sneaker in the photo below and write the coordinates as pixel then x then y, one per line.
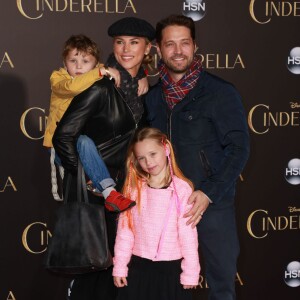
pixel 116 202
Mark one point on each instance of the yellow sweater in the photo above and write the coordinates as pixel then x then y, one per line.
pixel 64 89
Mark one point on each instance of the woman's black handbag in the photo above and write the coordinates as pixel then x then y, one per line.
pixel 79 242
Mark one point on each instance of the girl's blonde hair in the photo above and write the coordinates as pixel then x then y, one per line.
pixel 136 176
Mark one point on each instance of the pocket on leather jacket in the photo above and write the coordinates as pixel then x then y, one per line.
pixel 205 163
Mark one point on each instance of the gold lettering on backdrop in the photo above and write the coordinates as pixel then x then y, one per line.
pixel 250 118
pixel 210 61
pixel 294 209
pixel 203 283
pixel 249 224
pixel 86 5
pixel 96 4
pixel 40 121
pixel 21 10
pixel 252 13
pixel 10 296
pixel 268 118
pixel 129 4
pixel 264 223
pixel 44 238
pixel 49 5
pixel 107 7
pixel 216 61
pixel 153 67
pixel 283 8
pixel 63 7
pixel 6 59
pixel 239 279
pixel 9 183
pixel 274 9
pixel 295 105
pixel 74 6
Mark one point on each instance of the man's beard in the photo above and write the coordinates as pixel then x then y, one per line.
pixel 171 66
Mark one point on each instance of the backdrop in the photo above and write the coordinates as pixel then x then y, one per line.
pixel 252 43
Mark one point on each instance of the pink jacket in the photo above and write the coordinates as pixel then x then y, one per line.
pixel 180 240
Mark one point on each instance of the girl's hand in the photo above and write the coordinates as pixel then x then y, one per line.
pixel 115 74
pixel 189 286
pixel 143 86
pixel 120 281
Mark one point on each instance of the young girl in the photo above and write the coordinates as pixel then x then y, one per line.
pixel 156 253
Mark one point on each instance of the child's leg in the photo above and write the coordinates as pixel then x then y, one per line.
pixel 93 164
pixel 96 170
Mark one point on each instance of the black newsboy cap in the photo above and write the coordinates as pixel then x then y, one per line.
pixel 131 26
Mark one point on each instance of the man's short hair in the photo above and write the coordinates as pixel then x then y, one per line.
pixel 178 20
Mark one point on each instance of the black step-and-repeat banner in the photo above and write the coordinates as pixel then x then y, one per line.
pixel 252 43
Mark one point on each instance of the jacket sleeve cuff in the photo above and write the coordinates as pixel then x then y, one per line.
pixel 120 272
pixel 189 279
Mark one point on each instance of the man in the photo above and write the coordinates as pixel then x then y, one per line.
pixel 204 118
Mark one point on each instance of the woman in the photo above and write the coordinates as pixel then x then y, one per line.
pixel 109 116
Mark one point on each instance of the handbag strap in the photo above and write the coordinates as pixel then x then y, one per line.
pixel 81 185
pixel 67 188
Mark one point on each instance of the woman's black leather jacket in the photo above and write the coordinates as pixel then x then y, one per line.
pixel 101 113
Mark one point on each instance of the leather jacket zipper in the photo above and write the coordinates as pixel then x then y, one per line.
pixel 136 124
